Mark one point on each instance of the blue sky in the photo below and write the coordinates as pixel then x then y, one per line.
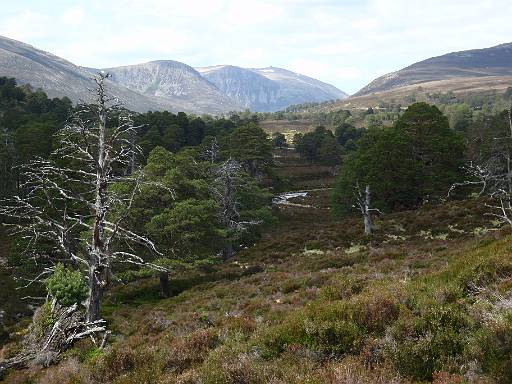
pixel 346 42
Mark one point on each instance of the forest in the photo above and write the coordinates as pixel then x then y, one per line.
pixel 161 247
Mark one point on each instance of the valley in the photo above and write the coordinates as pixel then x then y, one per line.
pixel 206 223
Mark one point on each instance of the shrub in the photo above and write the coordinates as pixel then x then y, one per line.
pixel 485 273
pixel 42 322
pixel 327 328
pixel 192 349
pixel 277 339
pixel 113 364
pixel 67 286
pixel 332 337
pixel 374 313
pixel 493 348
pixel 432 342
pixel 230 366
pixel 238 327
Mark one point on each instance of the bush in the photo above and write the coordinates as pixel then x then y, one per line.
pixel 67 286
pixel 432 342
pixel 376 312
pixel 326 328
pixel 228 365
pixel 114 363
pixel 278 338
pixel 484 273
pixel 493 348
pixel 190 350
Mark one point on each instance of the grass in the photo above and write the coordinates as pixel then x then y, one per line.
pixel 316 301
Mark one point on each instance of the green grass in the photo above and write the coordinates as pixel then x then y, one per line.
pixel 316 301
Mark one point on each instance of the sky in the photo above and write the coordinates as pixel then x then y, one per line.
pixel 346 43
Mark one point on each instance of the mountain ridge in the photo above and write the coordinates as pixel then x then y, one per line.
pixel 163 84
pixel 269 89
pixel 474 63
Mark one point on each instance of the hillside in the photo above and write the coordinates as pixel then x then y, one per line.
pixel 166 84
pixel 494 62
pixel 407 94
pixel 315 301
pixel 269 89
pixel 59 78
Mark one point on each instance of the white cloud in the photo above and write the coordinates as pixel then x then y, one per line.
pixel 345 42
pixel 73 16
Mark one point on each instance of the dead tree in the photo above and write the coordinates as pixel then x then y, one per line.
pixel 493 176
pixel 363 204
pixel 71 195
pixel 44 341
pixel 211 153
pixel 226 186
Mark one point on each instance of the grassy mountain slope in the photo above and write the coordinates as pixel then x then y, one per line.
pixel 479 71
pixel 473 64
pixel 314 301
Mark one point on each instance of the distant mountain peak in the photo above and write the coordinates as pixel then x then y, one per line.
pixel 270 88
pixel 166 84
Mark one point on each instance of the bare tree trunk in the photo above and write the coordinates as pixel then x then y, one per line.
pixel 366 211
pixel 99 261
pixel 164 285
pixel 228 252
pixel 363 200
pixel 95 294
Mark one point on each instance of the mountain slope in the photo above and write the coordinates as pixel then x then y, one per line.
pixel 58 77
pixel 248 88
pixel 269 89
pixel 176 82
pixel 476 65
pixel 186 91
pixel 165 84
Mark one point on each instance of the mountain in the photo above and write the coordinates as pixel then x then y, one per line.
pixel 474 68
pixel 59 77
pixel 162 85
pixel 176 82
pixel 268 89
pixel 166 84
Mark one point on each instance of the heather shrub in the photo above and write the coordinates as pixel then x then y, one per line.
pixel 374 312
pixel 485 272
pixel 228 365
pixel 114 363
pixel 434 341
pixel 492 347
pixel 192 349
pixel 326 328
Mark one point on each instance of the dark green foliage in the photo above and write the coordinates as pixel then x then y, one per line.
pixel 33 139
pixel 319 146
pixel 394 176
pixel 28 120
pixel 431 342
pixel 250 145
pixel 438 149
pixel 279 140
pixel 346 132
pixel 175 207
pixel 413 162
pixel 67 286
